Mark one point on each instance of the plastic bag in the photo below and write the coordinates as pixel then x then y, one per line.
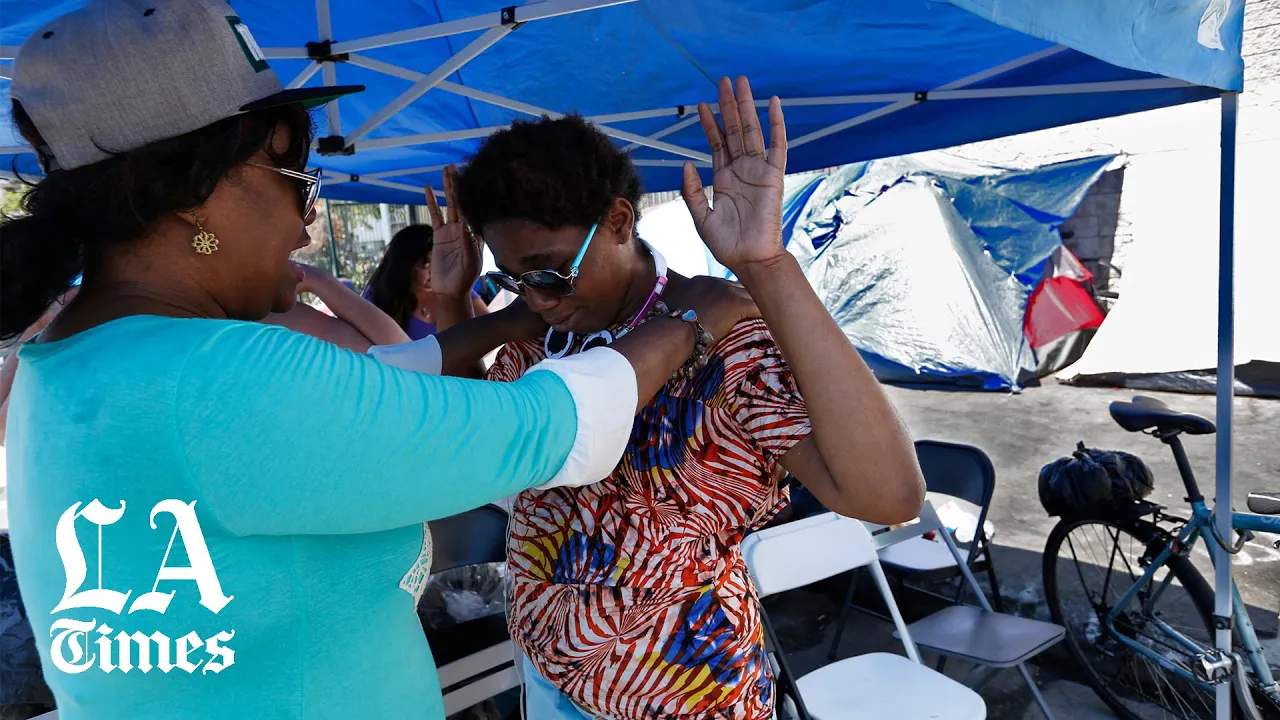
pixel 1093 481
pixel 463 594
pixel 962 523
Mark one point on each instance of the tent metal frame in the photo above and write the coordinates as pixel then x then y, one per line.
pixel 496 25
pixel 328 71
pixel 1223 587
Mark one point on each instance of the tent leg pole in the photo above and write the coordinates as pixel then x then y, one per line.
pixel 1226 384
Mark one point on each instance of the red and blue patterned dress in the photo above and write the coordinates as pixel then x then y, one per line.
pixel 630 595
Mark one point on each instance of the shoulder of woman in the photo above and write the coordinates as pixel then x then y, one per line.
pixel 173 340
pixel 237 339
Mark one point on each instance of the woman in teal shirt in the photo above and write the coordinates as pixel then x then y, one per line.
pixel 212 517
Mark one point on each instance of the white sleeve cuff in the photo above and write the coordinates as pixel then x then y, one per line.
pixel 603 385
pixel 420 355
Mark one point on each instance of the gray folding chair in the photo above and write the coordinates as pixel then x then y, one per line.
pixel 475 659
pixel 965 473
pixel 988 639
pixel 874 685
pixel 962 472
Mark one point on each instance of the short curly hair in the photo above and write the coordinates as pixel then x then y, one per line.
pixel 556 173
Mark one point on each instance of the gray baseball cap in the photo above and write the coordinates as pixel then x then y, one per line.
pixel 117 75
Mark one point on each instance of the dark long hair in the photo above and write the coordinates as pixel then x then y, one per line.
pixel 391 285
pixel 75 216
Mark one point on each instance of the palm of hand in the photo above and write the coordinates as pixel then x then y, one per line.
pixel 455 260
pixel 746 220
pixel 743 223
pixel 456 251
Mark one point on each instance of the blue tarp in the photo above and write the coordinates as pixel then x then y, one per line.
pixel 657 54
pixel 927 262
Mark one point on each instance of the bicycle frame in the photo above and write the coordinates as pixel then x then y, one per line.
pixel 1201 522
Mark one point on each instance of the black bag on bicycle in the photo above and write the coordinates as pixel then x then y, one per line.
pixel 1094 482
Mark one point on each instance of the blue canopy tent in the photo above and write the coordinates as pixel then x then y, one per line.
pixel 911 75
pixel 858 81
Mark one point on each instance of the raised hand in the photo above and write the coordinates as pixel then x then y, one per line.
pixel 743 224
pixel 456 252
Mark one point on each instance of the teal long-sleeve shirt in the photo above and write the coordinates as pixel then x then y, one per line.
pixel 275 488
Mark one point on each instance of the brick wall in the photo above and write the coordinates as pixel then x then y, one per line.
pixel 1261 49
pixel 1092 232
pixel 1169 158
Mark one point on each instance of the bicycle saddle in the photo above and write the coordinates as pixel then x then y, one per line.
pixel 1264 503
pixel 1144 413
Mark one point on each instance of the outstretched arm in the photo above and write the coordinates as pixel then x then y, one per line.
pixel 859 459
pixel 358 323
pixel 346 444
pixel 462 347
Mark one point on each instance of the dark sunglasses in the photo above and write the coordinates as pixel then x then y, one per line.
pixel 308 188
pixel 550 282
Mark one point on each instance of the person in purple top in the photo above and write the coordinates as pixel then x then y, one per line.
pixel 401 285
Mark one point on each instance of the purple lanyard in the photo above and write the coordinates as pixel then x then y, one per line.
pixel 659 265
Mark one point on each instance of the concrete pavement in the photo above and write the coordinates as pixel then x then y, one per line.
pixel 1021 433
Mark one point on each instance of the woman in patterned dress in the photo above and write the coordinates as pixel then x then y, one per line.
pixel 631 599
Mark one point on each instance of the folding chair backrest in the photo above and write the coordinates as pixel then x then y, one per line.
pixel 795 554
pixel 961 471
pixel 806 551
pixel 928 521
pixel 474 537
pixel 882 536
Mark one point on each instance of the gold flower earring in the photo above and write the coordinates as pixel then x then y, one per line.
pixel 204 242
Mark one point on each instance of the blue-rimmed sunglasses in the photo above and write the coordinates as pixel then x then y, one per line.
pixel 550 282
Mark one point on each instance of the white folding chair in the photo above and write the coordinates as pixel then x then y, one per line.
pixel 978 635
pixel 874 685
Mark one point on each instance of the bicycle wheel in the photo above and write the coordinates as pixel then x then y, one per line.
pixel 1089 564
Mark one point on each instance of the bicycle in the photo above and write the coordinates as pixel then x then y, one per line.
pixel 1146 657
